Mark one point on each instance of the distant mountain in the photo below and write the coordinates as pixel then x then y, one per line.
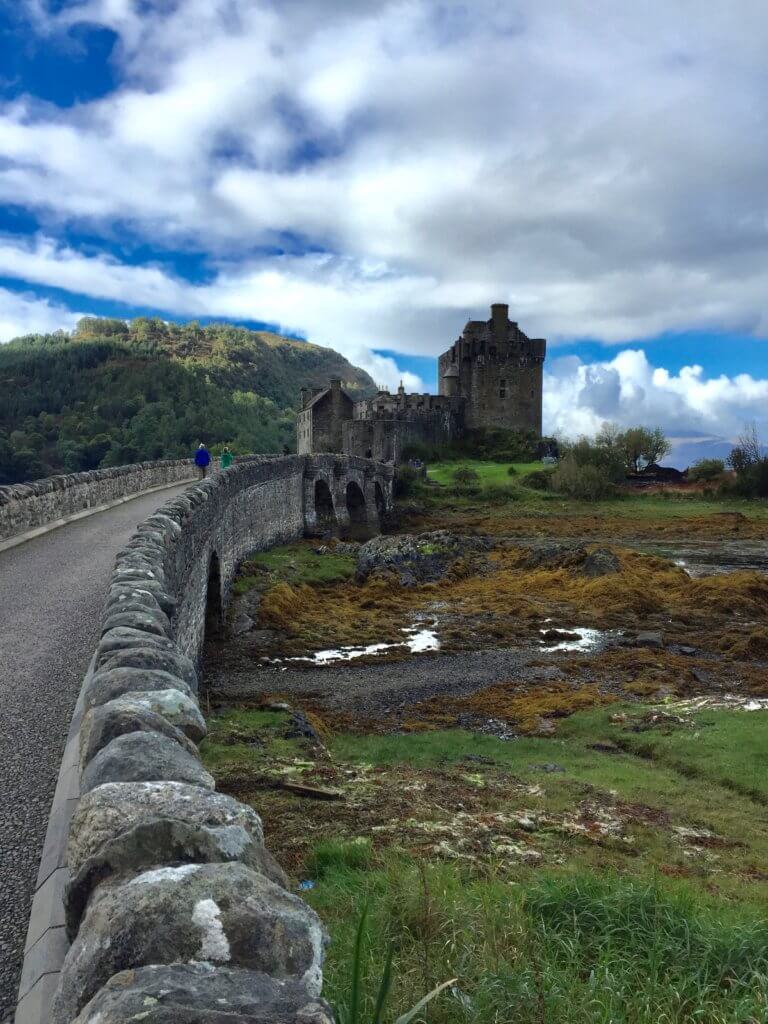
pixel 115 392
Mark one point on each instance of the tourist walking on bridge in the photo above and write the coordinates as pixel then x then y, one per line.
pixel 202 460
pixel 226 458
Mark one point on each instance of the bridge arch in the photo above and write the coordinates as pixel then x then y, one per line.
pixel 356 506
pixel 325 512
pixel 214 611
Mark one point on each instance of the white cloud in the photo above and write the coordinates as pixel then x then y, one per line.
pixel 629 390
pixel 26 314
pixel 601 167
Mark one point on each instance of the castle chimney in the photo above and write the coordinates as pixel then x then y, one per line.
pixel 335 384
pixel 306 394
pixel 499 321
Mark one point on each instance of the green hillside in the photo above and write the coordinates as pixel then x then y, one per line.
pixel 114 392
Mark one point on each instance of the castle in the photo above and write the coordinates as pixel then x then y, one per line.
pixel 492 376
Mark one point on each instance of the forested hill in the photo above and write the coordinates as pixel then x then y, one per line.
pixel 114 392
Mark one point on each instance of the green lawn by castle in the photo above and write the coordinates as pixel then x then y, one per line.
pixel 509 491
pixel 489 473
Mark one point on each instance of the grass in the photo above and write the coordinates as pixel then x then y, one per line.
pixel 296 564
pixel 552 948
pixel 489 473
pixel 495 487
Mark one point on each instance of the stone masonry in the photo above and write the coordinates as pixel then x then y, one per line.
pixel 175 911
pixel 26 506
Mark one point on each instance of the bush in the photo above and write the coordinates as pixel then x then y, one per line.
pixel 539 479
pixel 706 469
pixel 465 475
pixel 406 481
pixel 511 471
pixel 587 483
pixel 752 481
pixel 499 494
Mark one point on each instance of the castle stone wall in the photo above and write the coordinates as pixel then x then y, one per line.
pixel 170 898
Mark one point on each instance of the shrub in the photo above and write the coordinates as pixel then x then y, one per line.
pixel 752 481
pixel 406 481
pixel 587 483
pixel 511 471
pixel 539 479
pixel 499 494
pixel 465 475
pixel 706 469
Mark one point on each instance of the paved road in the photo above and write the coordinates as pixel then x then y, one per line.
pixel 51 593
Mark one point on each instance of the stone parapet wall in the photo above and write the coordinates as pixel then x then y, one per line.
pixel 27 506
pixel 175 911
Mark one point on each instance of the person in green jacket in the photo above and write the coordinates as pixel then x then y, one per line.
pixel 226 458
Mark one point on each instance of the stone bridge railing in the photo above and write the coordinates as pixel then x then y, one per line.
pixel 30 506
pixel 158 900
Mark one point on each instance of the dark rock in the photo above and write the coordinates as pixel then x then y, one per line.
pixel 549 767
pixel 243 624
pixel 300 727
pixel 165 841
pixel 144 757
pixel 600 562
pixel 107 684
pixel 417 559
pixel 106 812
pixel 199 993
pixel 104 723
pixel 225 914
pixel 555 556
pixel 650 638
pixel 553 636
pixel 153 658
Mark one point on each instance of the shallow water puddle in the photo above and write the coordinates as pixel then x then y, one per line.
pixel 418 640
pixel 588 639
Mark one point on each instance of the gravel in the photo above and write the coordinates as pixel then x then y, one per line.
pixel 389 686
pixel 51 594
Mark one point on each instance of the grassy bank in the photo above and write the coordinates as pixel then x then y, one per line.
pixel 613 873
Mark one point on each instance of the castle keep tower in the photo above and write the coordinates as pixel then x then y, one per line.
pixel 498 370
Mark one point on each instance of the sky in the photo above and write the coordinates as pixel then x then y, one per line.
pixel 370 175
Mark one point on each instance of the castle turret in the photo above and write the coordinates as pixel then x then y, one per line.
pixel 499 370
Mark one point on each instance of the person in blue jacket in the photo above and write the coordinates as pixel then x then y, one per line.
pixel 202 460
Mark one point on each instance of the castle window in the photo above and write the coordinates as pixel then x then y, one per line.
pixel 531 392
pixel 502 389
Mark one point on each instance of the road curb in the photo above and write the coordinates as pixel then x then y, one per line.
pixel 46 944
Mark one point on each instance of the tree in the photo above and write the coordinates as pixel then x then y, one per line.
pixel 748 450
pixel 643 445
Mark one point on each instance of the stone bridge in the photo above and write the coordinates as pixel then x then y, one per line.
pixel 132 796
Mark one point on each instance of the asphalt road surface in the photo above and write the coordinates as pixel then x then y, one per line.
pixel 52 590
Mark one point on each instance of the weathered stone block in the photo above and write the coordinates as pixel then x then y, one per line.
pixel 201 993
pixel 165 841
pixel 224 914
pixel 153 658
pixel 106 812
pixel 107 684
pixel 144 757
pixel 106 722
pixel 123 637
pixel 152 622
